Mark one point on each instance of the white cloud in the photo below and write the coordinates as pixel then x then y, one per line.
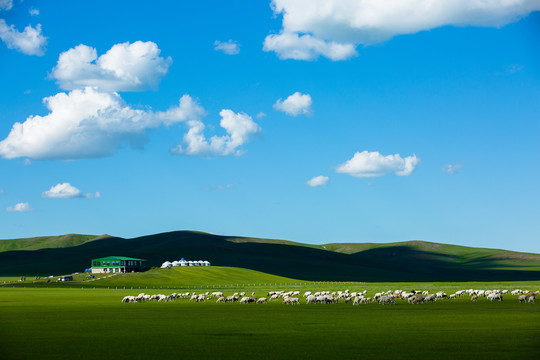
pixel 306 47
pixel 20 207
pixel 67 191
pixel 2 191
pixel 260 115
pixel 295 104
pixel 186 111
pixel 6 4
pixel 29 42
pixel 228 47
pixel 450 169
pixel 87 124
pixel 311 27
pixel 33 11
pixel 318 181
pixel 367 164
pixel 239 127
pixel 124 67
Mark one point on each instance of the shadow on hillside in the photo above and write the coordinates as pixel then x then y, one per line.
pixel 397 263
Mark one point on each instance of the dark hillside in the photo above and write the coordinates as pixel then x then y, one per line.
pixel 399 262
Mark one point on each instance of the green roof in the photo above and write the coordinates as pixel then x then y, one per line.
pixel 117 258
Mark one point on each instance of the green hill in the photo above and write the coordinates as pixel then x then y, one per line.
pixel 193 276
pixel 404 261
pixel 48 242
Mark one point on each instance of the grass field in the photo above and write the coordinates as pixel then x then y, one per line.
pixel 224 278
pixel 80 323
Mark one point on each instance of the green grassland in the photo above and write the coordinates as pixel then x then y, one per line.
pixel 179 277
pixel 404 261
pixel 225 278
pixel 51 323
pixel 48 242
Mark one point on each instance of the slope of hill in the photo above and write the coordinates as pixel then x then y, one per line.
pixel 45 242
pixel 407 261
pixel 193 276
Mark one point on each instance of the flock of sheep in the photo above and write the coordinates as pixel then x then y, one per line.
pixel 327 297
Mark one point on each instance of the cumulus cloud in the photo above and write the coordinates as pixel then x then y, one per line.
pixel 238 126
pixel 87 124
pixel 295 104
pixel 6 4
pixel 311 27
pixel 367 164
pixel 67 191
pixel 124 67
pixel 450 169
pixel 228 47
pixel 33 11
pixel 318 181
pixel 20 207
pixel 29 42
pixel 289 45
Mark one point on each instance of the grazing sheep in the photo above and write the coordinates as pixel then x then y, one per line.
pixel 522 298
pixel 291 300
pixel 387 300
pixel 494 296
pixel 261 300
pixel 531 299
pixel 474 298
pixel 441 295
pixel 247 300
pixel 220 299
pixel 311 299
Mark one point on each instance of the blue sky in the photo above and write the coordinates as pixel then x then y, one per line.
pixel 310 123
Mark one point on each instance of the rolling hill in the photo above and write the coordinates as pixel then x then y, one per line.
pixel 403 261
pixel 46 242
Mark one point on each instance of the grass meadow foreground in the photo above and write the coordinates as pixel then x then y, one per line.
pixel 83 323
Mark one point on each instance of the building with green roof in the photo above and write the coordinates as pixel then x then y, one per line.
pixel 117 264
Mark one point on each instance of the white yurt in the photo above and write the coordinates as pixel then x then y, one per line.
pixel 166 264
pixel 206 263
pixel 183 262
pixel 175 263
